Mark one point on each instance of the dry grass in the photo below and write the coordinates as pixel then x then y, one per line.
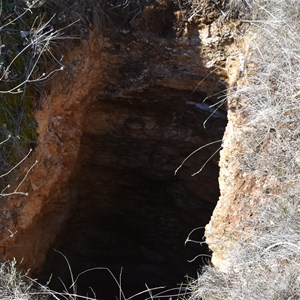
pixel 28 59
pixel 15 285
pixel 265 263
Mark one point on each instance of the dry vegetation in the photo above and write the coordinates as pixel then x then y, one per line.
pixel 265 264
pixel 28 59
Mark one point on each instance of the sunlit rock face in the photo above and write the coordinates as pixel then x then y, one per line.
pixel 117 124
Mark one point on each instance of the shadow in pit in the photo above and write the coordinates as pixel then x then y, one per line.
pixel 128 210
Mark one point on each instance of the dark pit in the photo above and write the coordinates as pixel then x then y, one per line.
pixel 129 213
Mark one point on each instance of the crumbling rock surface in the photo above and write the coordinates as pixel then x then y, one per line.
pixel 116 125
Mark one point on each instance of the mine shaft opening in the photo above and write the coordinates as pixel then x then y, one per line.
pixel 128 211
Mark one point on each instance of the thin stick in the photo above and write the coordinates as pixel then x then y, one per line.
pixel 207 161
pixel 15 166
pixel 198 149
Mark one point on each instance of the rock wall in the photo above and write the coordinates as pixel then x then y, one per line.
pixel 233 210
